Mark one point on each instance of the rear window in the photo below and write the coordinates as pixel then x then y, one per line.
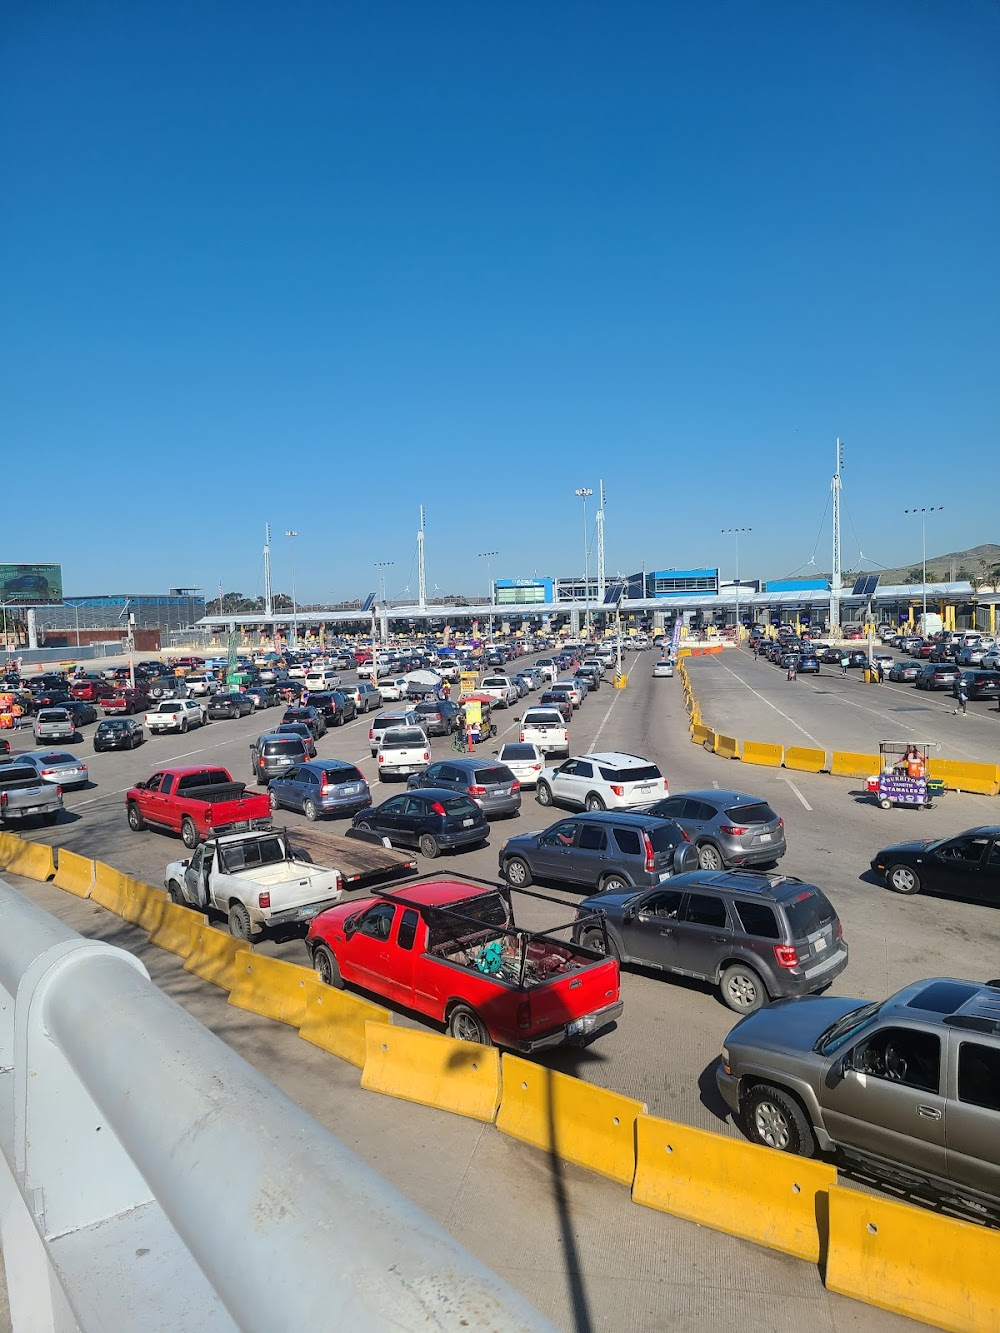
pixel 759 813
pixel 53 715
pixel 283 747
pixel 339 775
pixel 809 912
pixel 19 777
pixel 402 737
pixel 487 777
pixel 641 773
pixel 518 752
pixel 460 805
pixel 664 837
pixel 550 719
pixel 57 757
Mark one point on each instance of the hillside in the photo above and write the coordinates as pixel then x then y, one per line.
pixel 973 564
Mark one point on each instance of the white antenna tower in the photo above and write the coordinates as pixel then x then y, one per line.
pixel 421 571
pixel 268 600
pixel 600 545
pixel 835 580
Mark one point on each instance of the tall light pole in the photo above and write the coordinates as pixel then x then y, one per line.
pixel 381 566
pixel 291 534
pixel 923 511
pixel 488 557
pixel 735 532
pixel 583 492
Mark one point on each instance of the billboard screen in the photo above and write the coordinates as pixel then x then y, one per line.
pixel 30 585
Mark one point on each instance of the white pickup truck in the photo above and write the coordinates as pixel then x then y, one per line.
pixel 546 728
pixel 402 751
pixel 176 715
pixel 502 688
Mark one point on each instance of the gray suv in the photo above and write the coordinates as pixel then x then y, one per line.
pixel 729 828
pixel 273 754
pixel 757 937
pixel 614 852
pixel 492 786
pixel 907 1088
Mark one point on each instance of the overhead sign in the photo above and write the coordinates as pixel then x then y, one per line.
pixel 30 585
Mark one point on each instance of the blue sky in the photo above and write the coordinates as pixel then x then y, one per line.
pixel 317 263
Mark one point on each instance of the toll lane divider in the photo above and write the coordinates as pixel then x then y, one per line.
pixel 9 843
pixel 763 1196
pixel 215 956
pixel 568 1118
pixel 272 988
pixel 337 1022
pixel 177 929
pixel 805 760
pixel 74 873
pixel 144 905
pixel 33 860
pixel 851 764
pixel 763 753
pixel 982 779
pixel 727 746
pixel 110 889
pixel 913 1262
pixel 458 1076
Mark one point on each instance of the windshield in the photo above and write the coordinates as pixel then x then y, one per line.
pixel 839 1033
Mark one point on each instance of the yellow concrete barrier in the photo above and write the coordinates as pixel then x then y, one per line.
pixel 336 1021
pixel 982 779
pixel 731 1186
pixel 569 1118
pixel 458 1076
pixel 699 734
pixel 9 843
pixel 849 764
pixel 727 746
pixel 144 905
pixel 33 860
pixel 74 874
pixel 763 753
pixel 177 929
pixel 273 988
pixel 914 1262
pixel 110 889
pixel 214 956
pixel 804 760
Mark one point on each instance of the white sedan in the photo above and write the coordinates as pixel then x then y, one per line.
pixel 663 668
pixel 525 761
pixel 393 690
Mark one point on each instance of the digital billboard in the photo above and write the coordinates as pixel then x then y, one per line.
pixel 30 585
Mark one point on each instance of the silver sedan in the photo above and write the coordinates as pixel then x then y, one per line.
pixel 59 767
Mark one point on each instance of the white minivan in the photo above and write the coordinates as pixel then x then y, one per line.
pixel 320 679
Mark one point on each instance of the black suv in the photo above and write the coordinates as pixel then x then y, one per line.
pixel 607 850
pixel 757 937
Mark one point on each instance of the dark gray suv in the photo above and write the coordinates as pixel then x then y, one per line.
pixel 757 937
pixel 492 786
pixel 729 828
pixel 614 852
pixel 908 1088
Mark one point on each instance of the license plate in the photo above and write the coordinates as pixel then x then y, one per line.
pixel 765 837
pixel 36 809
pixel 820 945
pixel 305 912
pixel 468 823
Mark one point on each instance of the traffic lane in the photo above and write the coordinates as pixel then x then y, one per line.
pixel 755 701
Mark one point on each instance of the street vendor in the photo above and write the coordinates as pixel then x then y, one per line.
pixel 913 763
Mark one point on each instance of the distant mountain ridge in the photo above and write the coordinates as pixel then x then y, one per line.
pixel 979 564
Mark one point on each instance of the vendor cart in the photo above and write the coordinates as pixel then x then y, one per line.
pixel 902 778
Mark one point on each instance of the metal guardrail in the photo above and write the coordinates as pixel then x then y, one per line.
pixel 151 1178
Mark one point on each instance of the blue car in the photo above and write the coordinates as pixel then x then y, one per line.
pixel 321 787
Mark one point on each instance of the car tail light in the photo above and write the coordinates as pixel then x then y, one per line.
pixel 261 761
pixel 647 847
pixel 617 789
pixel 4 798
pixel 208 815
pixel 524 1014
pixel 263 900
pixel 840 930
pixel 371 733
pixel 515 785
pixel 48 772
pixel 522 735
pixel 438 808
pixel 536 768
pixel 426 756
pixel 786 954
pixel 666 786
pixel 477 791
pixel 733 830
pixel 781 823
pixel 380 758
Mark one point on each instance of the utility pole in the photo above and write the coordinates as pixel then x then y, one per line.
pixel 268 599
pixel 421 572
pixel 735 532
pixel 291 534
pixel 835 581
pixel 488 556
pixel 381 566
pixel 923 512
pixel 601 589
pixel 583 492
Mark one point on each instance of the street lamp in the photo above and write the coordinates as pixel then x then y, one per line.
pixel 381 566
pixel 583 492
pixel 291 534
pixel 923 511
pixel 488 557
pixel 735 532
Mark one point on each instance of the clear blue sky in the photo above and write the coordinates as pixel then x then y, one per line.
pixel 316 262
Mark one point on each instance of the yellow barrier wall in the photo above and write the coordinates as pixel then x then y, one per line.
pixel 273 988
pixel 9 843
pixel 458 1076
pixel 914 1262
pixel 699 734
pixel 74 874
pixel 177 929
pixel 569 1118
pixel 761 752
pixel 805 760
pixel 729 1185
pixel 214 956
pixel 983 779
pixel 33 860
pixel 336 1021
pixel 727 746
pixel 144 905
pixel 850 764
pixel 110 888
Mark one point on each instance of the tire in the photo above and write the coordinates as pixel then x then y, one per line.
pixel 184 725
pixel 742 989
pixel 135 820
pixel 189 834
pixel 516 872
pixel 327 967
pixel 614 884
pixel 594 802
pixel 709 857
pixel 885 803
pixel 174 890
pixel 772 1118
pixel 593 939
pixel 902 879
pixel 310 811
pixel 429 846
pixel 240 925
pixel 272 796
pixel 543 794
pixel 464 1024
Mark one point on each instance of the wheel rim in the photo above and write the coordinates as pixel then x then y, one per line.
pixel 466 1027
pixel 239 925
pixel 516 872
pixel 323 968
pixel 595 941
pixel 904 879
pixel 771 1125
pixel 742 991
pixel 709 858
pixel 273 799
pixel 614 885
pixel 594 803
pixel 544 795
pixel 310 810
pixel 428 846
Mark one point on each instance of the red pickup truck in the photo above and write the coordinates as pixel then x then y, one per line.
pixel 196 802
pixel 451 950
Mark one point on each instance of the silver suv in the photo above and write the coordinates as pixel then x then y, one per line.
pixel 729 828
pixel 907 1088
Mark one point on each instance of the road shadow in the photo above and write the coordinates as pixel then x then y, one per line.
pixel 710 1096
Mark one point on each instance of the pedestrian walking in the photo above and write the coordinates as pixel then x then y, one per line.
pixel 756 649
pixel 962 696
pixel 845 662
pixel 792 671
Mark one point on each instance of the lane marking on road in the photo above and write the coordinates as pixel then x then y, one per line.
pixel 797 793
pixel 611 706
pixel 790 720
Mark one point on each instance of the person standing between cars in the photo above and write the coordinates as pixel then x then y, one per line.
pixel 845 662
pixel 792 671
pixel 962 696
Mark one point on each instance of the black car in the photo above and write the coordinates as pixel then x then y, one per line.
pixel 936 676
pixel 830 656
pixel 439 717
pixel 82 713
pixel 966 866
pixel 605 849
pixel 334 706
pixel 980 684
pixel 556 699
pixel 432 819
pixel 230 705
pixel 309 715
pixel 118 733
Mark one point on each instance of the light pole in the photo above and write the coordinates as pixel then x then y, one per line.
pixel 291 534
pixel 488 557
pixel 923 511
pixel 583 492
pixel 735 532
pixel 381 566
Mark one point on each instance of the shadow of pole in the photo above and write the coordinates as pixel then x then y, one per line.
pixel 574 1274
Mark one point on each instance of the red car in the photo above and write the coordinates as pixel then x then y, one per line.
pixel 125 701
pixel 188 662
pixel 452 951
pixel 90 691
pixel 196 802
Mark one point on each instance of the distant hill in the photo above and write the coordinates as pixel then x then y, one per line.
pixel 973 564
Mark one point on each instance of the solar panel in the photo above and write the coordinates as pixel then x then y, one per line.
pixel 871 584
pixel 859 586
pixel 865 585
pixel 369 602
pixel 613 595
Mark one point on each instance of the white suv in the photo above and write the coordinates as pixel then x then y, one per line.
pixel 605 781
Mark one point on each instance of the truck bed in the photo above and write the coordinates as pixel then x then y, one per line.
pixel 358 861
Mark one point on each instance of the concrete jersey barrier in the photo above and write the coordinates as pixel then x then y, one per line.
pixel 458 1076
